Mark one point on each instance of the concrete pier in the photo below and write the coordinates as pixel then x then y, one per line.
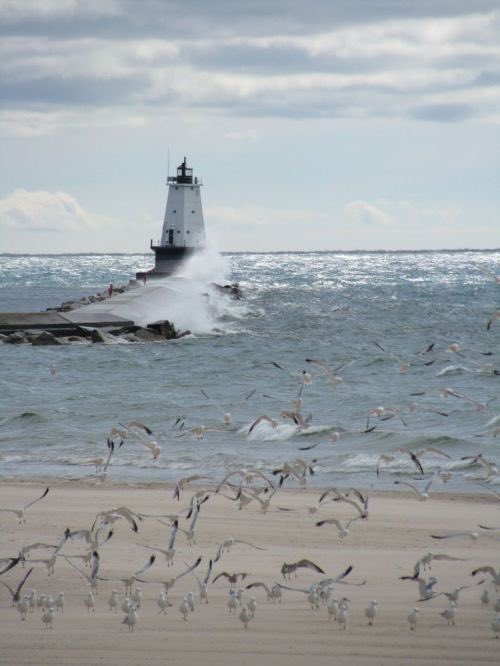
pixel 59 321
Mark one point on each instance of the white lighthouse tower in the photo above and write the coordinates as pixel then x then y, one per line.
pixel 183 227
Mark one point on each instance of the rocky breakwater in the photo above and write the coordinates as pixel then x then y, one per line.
pixel 47 330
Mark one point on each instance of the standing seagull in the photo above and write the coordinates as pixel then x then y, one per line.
pixel 371 611
pixel 20 512
pixel 413 618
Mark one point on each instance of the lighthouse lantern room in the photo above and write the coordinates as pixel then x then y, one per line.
pixel 183 227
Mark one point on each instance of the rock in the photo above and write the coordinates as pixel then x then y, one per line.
pixel 16 338
pixel 232 290
pixel 44 338
pixel 164 328
pixel 146 335
pixel 98 336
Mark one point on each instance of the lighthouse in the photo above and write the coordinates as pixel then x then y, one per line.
pixel 183 230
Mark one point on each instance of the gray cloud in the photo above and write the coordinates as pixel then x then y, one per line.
pixel 443 113
pixel 391 58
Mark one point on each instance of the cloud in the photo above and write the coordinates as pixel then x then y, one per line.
pixel 41 211
pixel 367 214
pixel 342 60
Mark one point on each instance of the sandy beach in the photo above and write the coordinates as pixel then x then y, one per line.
pixel 380 549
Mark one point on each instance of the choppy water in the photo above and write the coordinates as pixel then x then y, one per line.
pixel 327 306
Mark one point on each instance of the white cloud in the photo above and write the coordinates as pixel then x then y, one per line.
pixel 365 213
pixel 44 211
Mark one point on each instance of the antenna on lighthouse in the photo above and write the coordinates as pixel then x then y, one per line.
pixel 168 163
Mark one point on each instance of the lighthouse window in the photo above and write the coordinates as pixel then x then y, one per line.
pixel 192 211
pixel 178 231
pixel 174 211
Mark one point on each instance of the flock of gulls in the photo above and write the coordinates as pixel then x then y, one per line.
pixel 84 548
pixel 242 488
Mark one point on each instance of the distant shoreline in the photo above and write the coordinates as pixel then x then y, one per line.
pixel 260 252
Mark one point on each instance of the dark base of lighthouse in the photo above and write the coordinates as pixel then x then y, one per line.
pixel 168 260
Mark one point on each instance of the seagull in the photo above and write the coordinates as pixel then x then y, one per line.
pixel 203 585
pixel 422 495
pixel 48 617
pixel 330 373
pixel 449 613
pixel 128 581
pixel 245 616
pixel 92 579
pixel 11 563
pixel 113 601
pixel 112 515
pixel 252 606
pixel 333 609
pixel 184 608
pixel 163 603
pixel 232 578
pixel 341 616
pixel 343 531
pixel 413 618
pixel 131 618
pixel 424 586
pixel 168 584
pixel 20 513
pixel 288 569
pixel 384 413
pixel 23 606
pixel 339 497
pixel 89 601
pixel 371 611
pixel 226 416
pixel 485 599
pixel 259 419
pixel 182 483
pixel 170 552
pixel 273 593
pixel 429 557
pixel 16 594
pixel 494 575
pixel 227 544
pixel 137 432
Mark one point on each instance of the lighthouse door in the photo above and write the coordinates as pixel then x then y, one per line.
pixel 170 236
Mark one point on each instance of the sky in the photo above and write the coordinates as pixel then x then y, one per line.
pixel 323 125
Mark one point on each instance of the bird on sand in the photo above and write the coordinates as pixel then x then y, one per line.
pixel 131 618
pixel 449 613
pixel 413 616
pixel 245 616
pixel 48 617
pixel 495 625
pixel 20 513
pixel 371 611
